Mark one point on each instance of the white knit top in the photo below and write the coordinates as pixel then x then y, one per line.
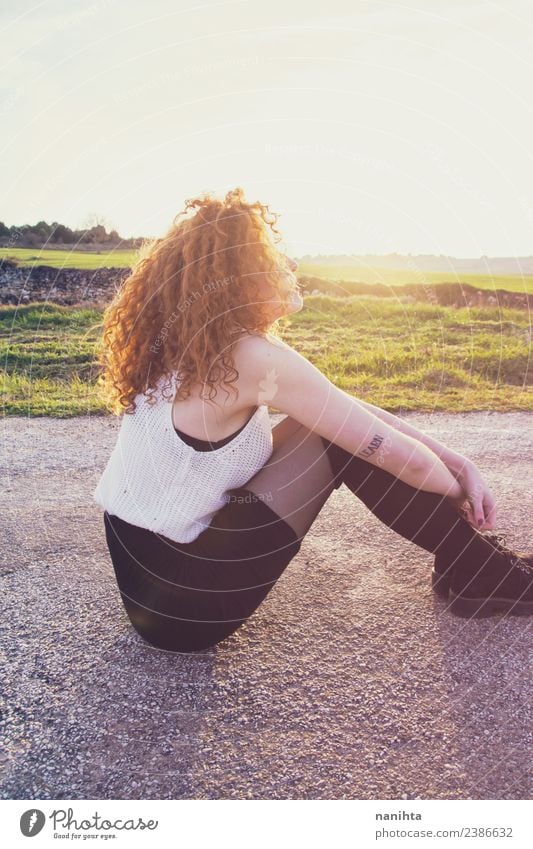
pixel 153 479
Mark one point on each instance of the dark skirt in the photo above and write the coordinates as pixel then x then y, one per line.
pixel 185 597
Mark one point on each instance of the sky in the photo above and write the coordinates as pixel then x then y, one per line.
pixel 369 127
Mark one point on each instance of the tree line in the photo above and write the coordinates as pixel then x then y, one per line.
pixel 42 233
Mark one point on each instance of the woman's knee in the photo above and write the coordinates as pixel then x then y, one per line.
pixel 284 430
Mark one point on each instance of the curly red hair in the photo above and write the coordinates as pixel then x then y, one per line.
pixel 186 296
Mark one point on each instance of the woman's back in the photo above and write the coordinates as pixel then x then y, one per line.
pixel 156 480
pixel 226 412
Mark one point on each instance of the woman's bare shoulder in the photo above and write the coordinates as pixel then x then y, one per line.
pixel 257 356
pixel 253 351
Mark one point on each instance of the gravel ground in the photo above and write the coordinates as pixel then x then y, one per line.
pixel 351 681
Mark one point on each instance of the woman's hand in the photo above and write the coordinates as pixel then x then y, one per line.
pixel 477 504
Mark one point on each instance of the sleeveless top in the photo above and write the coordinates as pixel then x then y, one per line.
pixel 156 479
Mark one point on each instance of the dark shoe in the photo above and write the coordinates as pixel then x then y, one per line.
pixel 441 575
pixel 504 582
pixel 442 569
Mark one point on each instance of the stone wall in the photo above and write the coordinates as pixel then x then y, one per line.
pixel 452 294
pixel 21 285
pixel 58 285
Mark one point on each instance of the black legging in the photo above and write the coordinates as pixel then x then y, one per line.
pixel 185 597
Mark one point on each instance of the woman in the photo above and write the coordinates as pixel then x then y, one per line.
pixel 204 504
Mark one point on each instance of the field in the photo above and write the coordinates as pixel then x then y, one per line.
pixel 512 283
pixel 124 259
pixel 69 259
pixel 400 357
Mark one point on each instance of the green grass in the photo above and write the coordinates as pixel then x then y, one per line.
pixel 69 259
pixel 48 360
pixel 400 357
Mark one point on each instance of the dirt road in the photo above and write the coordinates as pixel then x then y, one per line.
pixel 351 681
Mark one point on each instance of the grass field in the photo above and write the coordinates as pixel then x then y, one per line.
pixel 124 259
pixel 69 259
pixel 400 357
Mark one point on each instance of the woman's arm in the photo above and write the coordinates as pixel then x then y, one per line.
pixel 277 374
pixel 452 459
pixel 477 503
